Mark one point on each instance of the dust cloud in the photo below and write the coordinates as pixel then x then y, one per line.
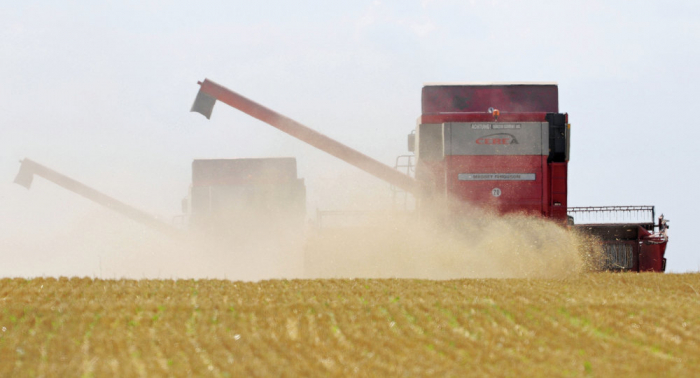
pixel 383 242
pixel 106 245
pixel 483 245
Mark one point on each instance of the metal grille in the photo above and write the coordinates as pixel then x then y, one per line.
pixel 612 214
pixel 619 256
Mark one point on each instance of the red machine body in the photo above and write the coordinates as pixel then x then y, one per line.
pixel 499 146
pixel 502 147
pixel 628 246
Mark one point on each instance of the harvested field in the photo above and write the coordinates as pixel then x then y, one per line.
pixel 594 324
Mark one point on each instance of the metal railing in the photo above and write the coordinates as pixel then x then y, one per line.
pixel 612 214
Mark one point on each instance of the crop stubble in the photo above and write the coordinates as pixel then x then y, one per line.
pixel 601 324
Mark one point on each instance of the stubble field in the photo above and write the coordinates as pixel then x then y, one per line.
pixel 590 325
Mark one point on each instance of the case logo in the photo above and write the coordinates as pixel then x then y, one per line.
pixel 497 139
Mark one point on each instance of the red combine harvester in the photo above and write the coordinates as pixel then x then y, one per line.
pixel 502 147
pixel 506 147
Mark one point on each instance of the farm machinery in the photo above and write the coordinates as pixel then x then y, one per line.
pixel 503 148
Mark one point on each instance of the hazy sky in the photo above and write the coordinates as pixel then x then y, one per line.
pixel 101 91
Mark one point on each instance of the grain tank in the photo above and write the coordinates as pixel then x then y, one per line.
pixel 237 197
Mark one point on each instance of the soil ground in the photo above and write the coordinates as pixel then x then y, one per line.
pixel 600 324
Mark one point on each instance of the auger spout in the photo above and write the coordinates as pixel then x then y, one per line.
pixel 29 168
pixel 210 91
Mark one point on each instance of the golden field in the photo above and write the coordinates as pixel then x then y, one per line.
pixel 599 324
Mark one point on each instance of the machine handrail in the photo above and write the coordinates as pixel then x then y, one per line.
pixel 614 211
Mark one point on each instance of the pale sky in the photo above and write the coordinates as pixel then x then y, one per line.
pixel 101 91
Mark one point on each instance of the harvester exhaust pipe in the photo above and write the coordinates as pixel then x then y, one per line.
pixel 29 168
pixel 210 91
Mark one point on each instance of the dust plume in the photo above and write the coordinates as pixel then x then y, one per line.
pixel 106 245
pixel 375 244
pixel 482 245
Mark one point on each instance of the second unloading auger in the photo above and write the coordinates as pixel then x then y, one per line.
pixel 28 169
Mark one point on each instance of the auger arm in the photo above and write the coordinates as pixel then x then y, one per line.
pixel 29 168
pixel 210 91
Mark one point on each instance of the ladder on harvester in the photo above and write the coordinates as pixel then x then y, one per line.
pixel 402 199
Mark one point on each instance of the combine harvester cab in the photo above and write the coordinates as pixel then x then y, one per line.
pixel 503 147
